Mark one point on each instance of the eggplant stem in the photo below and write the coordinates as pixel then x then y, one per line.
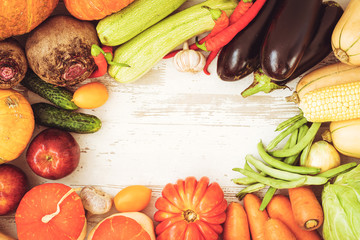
pixel 261 83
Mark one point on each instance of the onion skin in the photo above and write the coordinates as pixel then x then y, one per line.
pixel 323 155
pixel 13 63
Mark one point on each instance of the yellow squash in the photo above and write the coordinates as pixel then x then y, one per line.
pixel 330 93
pixel 345 136
pixel 345 39
pixel 16 124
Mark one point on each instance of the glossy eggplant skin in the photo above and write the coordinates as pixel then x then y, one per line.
pixel 240 57
pixel 320 45
pixel 288 36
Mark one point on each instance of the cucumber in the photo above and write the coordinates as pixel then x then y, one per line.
pixel 57 95
pixel 51 116
pixel 120 27
pixel 146 49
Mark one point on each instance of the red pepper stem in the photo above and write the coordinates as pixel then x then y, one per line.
pixel 96 50
pixel 215 13
pixel 118 64
pixel 200 46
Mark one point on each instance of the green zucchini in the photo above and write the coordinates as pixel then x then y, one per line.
pixel 51 116
pixel 57 95
pixel 146 49
pixel 120 27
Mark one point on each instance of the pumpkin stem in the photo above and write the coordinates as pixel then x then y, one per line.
pixel 11 102
pixel 341 55
pixel 190 215
pixel 47 218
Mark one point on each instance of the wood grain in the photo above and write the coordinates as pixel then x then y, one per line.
pixel 170 125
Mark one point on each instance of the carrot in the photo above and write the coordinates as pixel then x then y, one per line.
pixel 236 226
pixel 256 217
pixel 280 208
pixel 307 210
pixel 276 230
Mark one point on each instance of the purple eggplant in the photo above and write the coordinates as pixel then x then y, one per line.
pixel 240 57
pixel 288 36
pixel 317 50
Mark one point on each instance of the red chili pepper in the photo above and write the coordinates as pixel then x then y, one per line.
pixel 226 35
pixel 209 59
pixel 103 57
pixel 240 10
pixel 100 62
pixel 221 22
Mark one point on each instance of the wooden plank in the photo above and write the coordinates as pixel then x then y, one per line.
pixel 170 125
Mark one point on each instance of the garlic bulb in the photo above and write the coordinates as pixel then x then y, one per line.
pixel 95 200
pixel 188 60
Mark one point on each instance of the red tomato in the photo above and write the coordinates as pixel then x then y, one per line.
pixel 190 209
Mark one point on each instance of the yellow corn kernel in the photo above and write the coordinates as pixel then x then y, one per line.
pixel 334 103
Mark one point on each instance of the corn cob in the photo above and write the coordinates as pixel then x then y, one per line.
pixel 334 103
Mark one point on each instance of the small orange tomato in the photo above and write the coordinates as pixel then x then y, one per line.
pixel 132 198
pixel 91 95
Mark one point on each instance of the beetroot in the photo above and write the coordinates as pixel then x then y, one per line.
pixel 13 64
pixel 59 50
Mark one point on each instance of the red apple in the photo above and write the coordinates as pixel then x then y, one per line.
pixel 13 184
pixel 53 154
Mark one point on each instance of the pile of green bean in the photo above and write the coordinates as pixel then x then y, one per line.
pixel 283 168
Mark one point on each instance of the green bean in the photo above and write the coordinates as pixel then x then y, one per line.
pixel 284 175
pixel 284 166
pixel 289 160
pixel 267 198
pixel 248 167
pixel 292 141
pixel 305 153
pixel 301 144
pixel 302 131
pixel 244 180
pixel 288 122
pixel 285 133
pixel 275 183
pixel 336 171
pixel 249 189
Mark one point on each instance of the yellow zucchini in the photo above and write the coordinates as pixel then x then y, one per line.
pixel 345 39
pixel 146 49
pixel 120 27
pixel 345 136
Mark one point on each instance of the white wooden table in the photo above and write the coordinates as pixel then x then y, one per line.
pixel 170 125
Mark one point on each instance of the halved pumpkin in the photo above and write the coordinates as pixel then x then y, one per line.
pixel 124 226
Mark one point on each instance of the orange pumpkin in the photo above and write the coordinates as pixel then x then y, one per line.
pixel 124 226
pixel 94 9
pixel 20 17
pixel 51 211
pixel 16 124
